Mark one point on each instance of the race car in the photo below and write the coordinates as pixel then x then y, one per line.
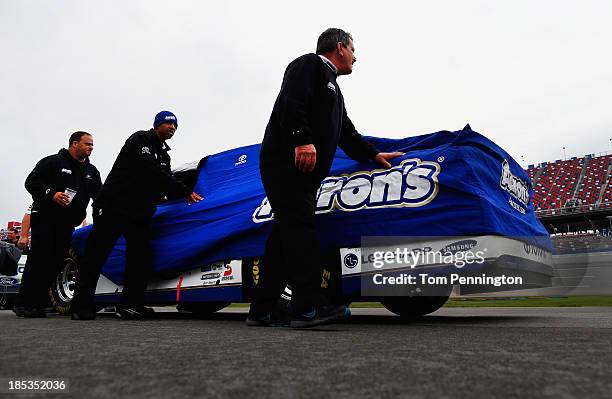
pixel 453 213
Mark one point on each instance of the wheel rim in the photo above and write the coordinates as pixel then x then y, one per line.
pixel 66 281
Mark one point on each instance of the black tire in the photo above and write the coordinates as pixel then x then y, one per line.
pixel 201 308
pixel 7 301
pixel 62 290
pixel 414 307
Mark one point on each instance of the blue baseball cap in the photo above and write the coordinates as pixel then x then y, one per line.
pixel 165 117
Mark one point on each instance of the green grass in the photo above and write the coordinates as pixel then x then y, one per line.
pixel 481 302
pixel 572 301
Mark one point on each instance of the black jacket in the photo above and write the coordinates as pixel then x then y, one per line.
pixel 310 110
pixel 139 178
pixel 54 174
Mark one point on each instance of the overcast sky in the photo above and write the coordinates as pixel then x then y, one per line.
pixel 533 76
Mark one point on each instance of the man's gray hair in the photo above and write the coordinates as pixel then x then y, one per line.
pixel 328 40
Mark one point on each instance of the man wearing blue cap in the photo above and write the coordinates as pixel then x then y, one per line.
pixel 139 179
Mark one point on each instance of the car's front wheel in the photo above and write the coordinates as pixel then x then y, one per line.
pixel 7 301
pixel 62 290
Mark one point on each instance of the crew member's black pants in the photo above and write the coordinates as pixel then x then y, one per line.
pixel 292 250
pixel 50 243
pixel 108 227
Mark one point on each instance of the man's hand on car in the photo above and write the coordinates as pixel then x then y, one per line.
pixel 382 158
pixel 61 198
pixel 194 197
pixel 305 157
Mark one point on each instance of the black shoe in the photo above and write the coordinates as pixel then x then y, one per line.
pixel 321 315
pixel 126 312
pixel 258 320
pixel 259 315
pixel 279 316
pixel 83 315
pixel 29 312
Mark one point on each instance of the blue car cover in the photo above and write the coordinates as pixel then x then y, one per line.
pixel 447 184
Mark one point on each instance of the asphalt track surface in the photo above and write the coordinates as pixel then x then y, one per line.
pixel 453 353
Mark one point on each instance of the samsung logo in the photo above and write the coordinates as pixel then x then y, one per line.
pixel 412 183
pixel 459 246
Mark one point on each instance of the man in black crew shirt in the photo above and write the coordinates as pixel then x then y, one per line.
pixel 61 186
pixel 139 178
pixel 307 124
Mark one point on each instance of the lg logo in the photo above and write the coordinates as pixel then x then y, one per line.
pixel 351 261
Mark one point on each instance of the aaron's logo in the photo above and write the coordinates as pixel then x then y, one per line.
pixel 518 188
pixel 412 183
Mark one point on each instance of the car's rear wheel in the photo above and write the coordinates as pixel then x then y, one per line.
pixel 201 308
pixel 414 307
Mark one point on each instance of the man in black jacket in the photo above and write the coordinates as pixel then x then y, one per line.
pixel 126 203
pixel 307 124
pixel 61 186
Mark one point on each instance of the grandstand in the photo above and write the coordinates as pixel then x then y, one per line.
pixel 573 200
pixel 574 194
